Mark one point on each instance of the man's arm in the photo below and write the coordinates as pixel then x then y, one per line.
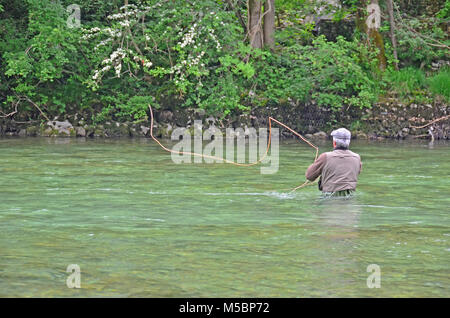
pixel 315 169
pixel 360 165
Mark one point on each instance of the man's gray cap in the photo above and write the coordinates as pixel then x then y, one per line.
pixel 342 134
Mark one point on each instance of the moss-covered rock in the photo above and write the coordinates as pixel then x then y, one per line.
pixel 32 131
pixel 360 135
pixel 100 131
pixel 80 131
pixel 90 129
pixel 320 135
pixel 181 118
pixel 116 129
pixel 48 132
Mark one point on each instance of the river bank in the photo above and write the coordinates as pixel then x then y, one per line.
pixel 388 119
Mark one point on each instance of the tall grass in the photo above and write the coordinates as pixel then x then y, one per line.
pixel 406 81
pixel 411 81
pixel 440 83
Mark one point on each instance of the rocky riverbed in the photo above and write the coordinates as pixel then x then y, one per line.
pixel 387 119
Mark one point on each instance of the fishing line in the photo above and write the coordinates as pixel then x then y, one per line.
pixel 306 183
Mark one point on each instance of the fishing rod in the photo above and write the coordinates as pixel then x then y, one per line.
pixel 306 183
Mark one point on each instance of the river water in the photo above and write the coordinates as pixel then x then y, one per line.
pixel 139 225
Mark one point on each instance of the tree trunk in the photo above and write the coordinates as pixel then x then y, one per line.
pixel 368 22
pixel 269 23
pixel 390 7
pixel 254 29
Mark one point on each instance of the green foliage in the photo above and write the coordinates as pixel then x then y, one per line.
pixel 186 51
pixel 328 73
pixel 423 39
pixel 444 13
pixel 439 83
pixel 406 82
pixel 47 52
pixel 123 107
pixel 179 53
pixel 412 82
pixel 337 76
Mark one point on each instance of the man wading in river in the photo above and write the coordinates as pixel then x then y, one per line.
pixel 338 169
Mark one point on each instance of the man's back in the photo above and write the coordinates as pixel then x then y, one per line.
pixel 340 171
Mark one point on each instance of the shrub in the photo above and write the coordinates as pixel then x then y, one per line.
pixel 331 73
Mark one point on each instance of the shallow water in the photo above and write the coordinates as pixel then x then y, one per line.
pixel 139 225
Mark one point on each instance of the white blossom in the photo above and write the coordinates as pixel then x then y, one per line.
pixel 118 68
pixel 125 23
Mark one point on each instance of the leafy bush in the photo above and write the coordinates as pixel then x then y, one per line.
pixel 124 107
pixel 195 52
pixel 331 73
pixel 181 53
pixel 37 62
pixel 422 39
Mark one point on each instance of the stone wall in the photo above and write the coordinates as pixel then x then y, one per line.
pixel 390 119
pixel 332 29
pixel 387 119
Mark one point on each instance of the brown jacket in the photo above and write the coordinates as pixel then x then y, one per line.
pixel 339 170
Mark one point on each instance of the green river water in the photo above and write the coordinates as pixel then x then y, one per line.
pixel 139 225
